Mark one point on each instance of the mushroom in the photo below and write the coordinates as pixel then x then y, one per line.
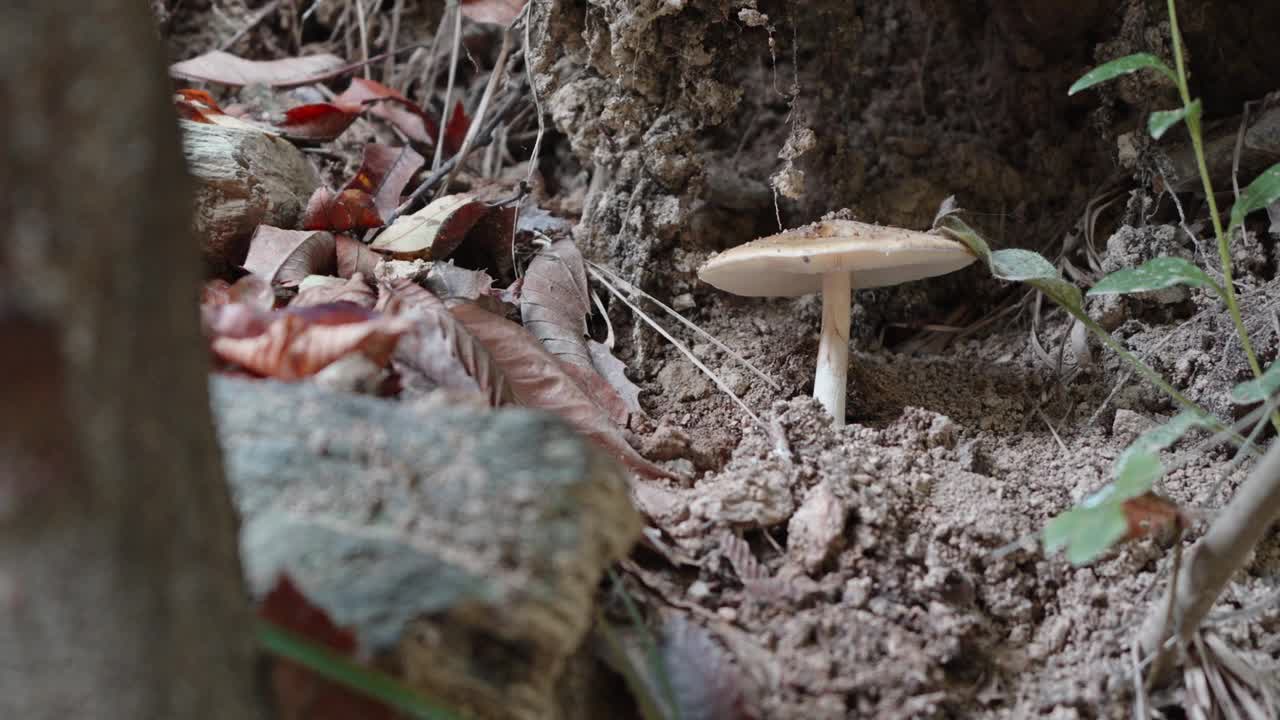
pixel 833 257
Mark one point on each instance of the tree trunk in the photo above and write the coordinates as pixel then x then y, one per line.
pixel 120 588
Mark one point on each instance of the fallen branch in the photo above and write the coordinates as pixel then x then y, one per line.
pixel 1212 561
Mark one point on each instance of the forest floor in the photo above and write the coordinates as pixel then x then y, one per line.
pixel 891 568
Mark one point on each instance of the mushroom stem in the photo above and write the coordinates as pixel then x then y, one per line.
pixel 833 345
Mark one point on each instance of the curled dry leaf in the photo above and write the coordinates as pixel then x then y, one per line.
pixel 384 173
pixel 340 212
pixel 299 343
pixel 489 243
pixel 390 105
pixel 613 371
pixel 433 232
pixel 439 352
pixel 199 106
pixel 539 381
pixel 554 302
pixel 354 257
pixel 227 69
pixel 285 257
pixel 324 289
pixel 497 12
pixel 450 282
pixel 318 121
pixel 299 693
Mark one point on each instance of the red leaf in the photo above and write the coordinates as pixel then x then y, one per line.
pixel 227 69
pixel 354 257
pixel 498 12
pixel 299 693
pixel 340 212
pixel 455 132
pixel 538 381
pixel 384 173
pixel 388 104
pixel 1150 514
pixel 318 121
pixel 433 232
pixel 199 106
pixel 300 343
pixel 285 257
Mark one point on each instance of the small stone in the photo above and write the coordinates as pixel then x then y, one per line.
pixel 1128 425
pixel 816 528
pixel 683 301
pixel 682 381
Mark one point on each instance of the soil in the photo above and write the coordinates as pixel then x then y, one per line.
pixel 889 568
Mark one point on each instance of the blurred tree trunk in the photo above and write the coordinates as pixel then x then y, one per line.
pixel 120 587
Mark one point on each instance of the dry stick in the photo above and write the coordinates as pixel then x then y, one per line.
pixel 364 38
pixel 452 162
pixel 456 9
pixel 533 90
pixel 490 89
pixel 389 67
pixel 1211 562
pixel 429 69
pixel 253 22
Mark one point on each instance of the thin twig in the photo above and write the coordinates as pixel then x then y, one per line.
pixel 364 38
pixel 253 22
pixel 495 79
pixel 389 67
pixel 447 112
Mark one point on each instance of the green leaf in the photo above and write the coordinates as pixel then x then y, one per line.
pixel 1155 274
pixel 1086 532
pixel 1259 389
pixel 1021 265
pixel 333 666
pixel 1161 120
pixel 1118 67
pixel 1264 190
pixel 1016 265
pixel 1138 467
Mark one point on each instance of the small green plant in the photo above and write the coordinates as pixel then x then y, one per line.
pixel 1103 519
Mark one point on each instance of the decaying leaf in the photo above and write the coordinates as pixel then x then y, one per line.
pixel 390 105
pixel 613 371
pixel 384 173
pixel 354 257
pixel 325 289
pixel 433 232
pixel 199 106
pixel 297 343
pixel 450 282
pixel 439 352
pixel 555 302
pixel 1150 514
pixel 497 12
pixel 285 257
pixel 317 121
pixel 299 693
pixel 600 390
pixel 341 212
pixel 489 244
pixel 227 69
pixel 538 380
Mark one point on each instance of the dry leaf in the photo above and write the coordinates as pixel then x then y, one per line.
pixel 215 292
pixel 227 69
pixel 317 121
pixel 613 371
pixel 285 257
pixel 384 173
pixel 395 108
pixel 1150 514
pixel 497 12
pixel 299 343
pixel 299 693
pixel 600 391
pixel 199 106
pixel 554 302
pixel 439 352
pixel 253 291
pixel 538 381
pixel 354 257
pixel 433 232
pixel 340 212
pixel 705 683
pixel 450 282
pixel 323 289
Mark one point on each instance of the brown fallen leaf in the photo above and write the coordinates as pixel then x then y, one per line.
pixel 538 381
pixel 600 391
pixel 227 69
pixel 284 257
pixel 384 172
pixel 354 257
pixel 439 352
pixel 555 302
pixel 496 12
pixel 433 232
pixel 199 106
pixel 318 121
pixel 340 212
pixel 450 282
pixel 613 371
pixel 1150 514
pixel 390 105
pixel 299 343
pixel 323 289
pixel 254 291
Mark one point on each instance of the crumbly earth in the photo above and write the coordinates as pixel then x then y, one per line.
pixel 890 568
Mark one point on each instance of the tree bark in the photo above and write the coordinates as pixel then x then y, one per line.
pixel 120 587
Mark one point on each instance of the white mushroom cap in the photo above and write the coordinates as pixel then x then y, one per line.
pixel 792 263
